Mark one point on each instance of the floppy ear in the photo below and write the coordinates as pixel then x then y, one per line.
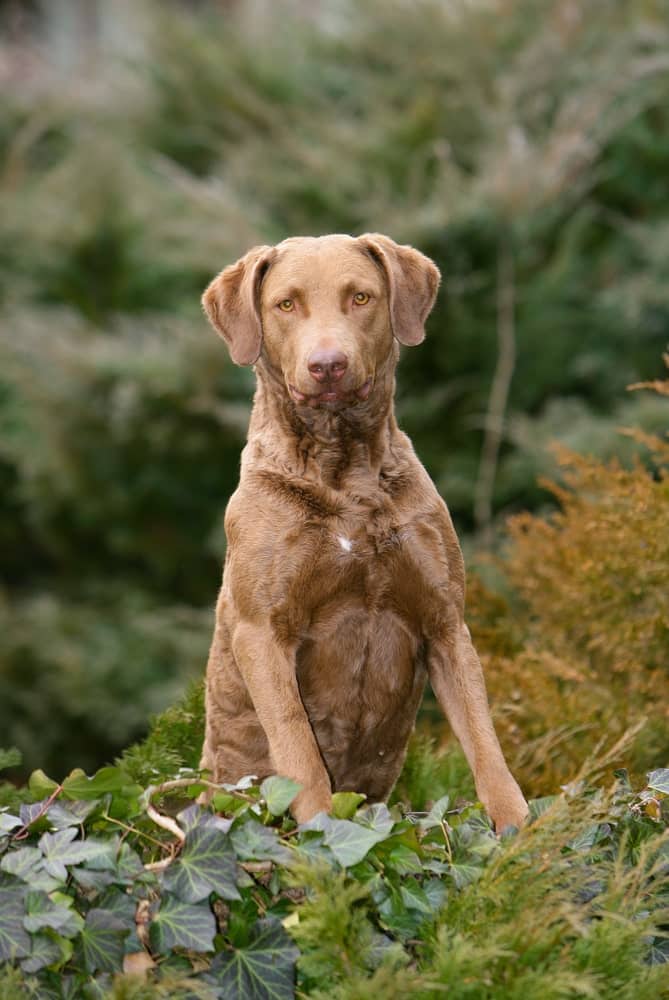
pixel 232 304
pixel 412 281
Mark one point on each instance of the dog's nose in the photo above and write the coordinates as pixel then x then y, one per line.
pixel 327 365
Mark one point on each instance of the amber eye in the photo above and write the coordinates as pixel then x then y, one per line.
pixel 286 305
pixel 361 298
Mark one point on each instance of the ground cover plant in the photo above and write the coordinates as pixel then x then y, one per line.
pixel 109 889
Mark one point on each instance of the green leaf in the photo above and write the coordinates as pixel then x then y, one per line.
pixel 45 951
pixel 182 925
pixel 23 862
pixel 540 806
pixel 659 780
pixel 41 786
pixel 435 892
pixel 278 793
pixel 436 813
pixel 33 815
pixel 414 898
pixel 56 913
pixel 41 912
pixel 378 818
pixel 254 842
pixel 72 814
pixel 401 859
pixel 128 864
pixel 263 970
pixel 344 804
pixel 61 849
pixel 101 941
pixel 194 816
pixel 10 757
pixel 349 842
pixel 207 864
pixel 14 940
pixel 9 822
pixel 108 779
pixel 27 864
pixel 463 875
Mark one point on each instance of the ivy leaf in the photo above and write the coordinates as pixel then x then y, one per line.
pixel 263 970
pixel 33 812
pixel 463 875
pixel 72 814
pixel 128 864
pixel 182 925
pixel 23 863
pixel 194 816
pixel 278 793
pixel 101 941
pixel 78 785
pixel 61 849
pixel 27 864
pixel 124 907
pixel 540 806
pixel 92 881
pixel 344 804
pixel 11 757
pixel 40 785
pixel 401 859
pixel 435 892
pixel 378 817
pixel 659 780
pixel 45 951
pixel 56 913
pixel 9 822
pixel 254 842
pixel 349 842
pixel 436 813
pixel 14 941
pixel 414 897
pixel 206 864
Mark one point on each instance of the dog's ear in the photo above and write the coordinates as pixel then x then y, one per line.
pixel 232 304
pixel 412 279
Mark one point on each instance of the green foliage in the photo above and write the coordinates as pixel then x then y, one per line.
pixel 100 663
pixel 99 883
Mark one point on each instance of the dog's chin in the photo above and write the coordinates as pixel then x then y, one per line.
pixel 332 397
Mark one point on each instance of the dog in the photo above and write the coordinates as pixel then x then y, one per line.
pixel 343 586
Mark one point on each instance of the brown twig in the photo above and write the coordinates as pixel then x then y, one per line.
pixel 25 830
pixel 499 392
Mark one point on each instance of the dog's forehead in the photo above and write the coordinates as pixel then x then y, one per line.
pixel 309 260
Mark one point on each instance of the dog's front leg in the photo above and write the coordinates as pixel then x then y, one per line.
pixel 457 680
pixel 269 675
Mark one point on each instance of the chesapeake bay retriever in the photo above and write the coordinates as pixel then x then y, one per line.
pixel 344 587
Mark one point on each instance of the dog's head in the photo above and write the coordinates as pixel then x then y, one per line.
pixel 323 311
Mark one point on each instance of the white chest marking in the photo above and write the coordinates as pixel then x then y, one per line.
pixel 345 543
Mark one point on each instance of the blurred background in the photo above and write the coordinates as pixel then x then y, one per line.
pixel 523 144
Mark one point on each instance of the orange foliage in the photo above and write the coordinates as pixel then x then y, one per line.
pixel 583 653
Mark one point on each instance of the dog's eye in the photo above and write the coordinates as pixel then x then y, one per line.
pixel 286 305
pixel 361 298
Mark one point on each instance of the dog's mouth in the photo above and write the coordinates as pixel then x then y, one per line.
pixel 332 394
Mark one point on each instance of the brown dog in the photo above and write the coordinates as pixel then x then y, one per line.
pixel 344 584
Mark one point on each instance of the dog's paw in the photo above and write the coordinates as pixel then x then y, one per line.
pixel 309 802
pixel 508 810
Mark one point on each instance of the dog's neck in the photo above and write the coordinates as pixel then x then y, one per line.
pixel 340 448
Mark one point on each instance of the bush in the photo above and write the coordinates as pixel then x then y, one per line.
pixel 577 653
pixel 115 891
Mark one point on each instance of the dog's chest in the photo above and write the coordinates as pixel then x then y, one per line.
pixel 372 562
